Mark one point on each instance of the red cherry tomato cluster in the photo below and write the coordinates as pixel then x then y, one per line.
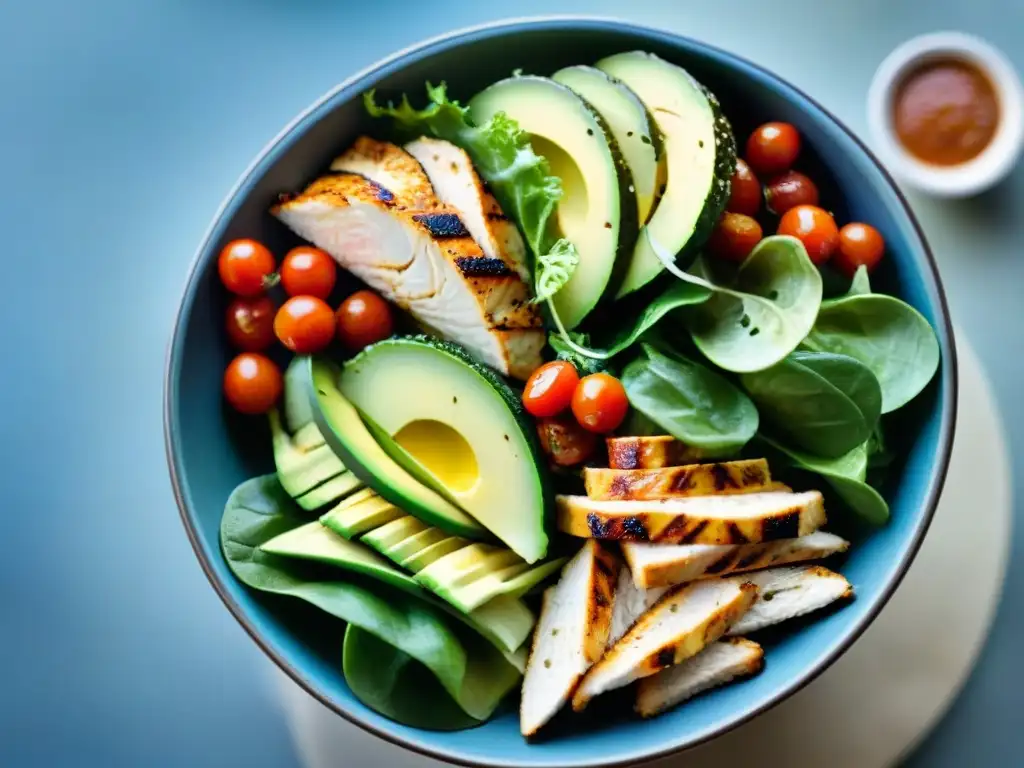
pixel 572 412
pixel 304 324
pixel 770 154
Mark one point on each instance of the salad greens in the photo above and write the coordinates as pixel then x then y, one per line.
pixel 690 402
pixel 888 335
pixel 823 403
pixel 763 313
pixel 473 673
pixel 847 476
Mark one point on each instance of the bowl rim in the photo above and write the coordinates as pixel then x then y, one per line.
pixel 936 482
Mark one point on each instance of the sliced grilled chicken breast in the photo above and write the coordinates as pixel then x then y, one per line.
pixel 663 565
pixel 392 168
pixel 786 593
pixel 571 634
pixel 720 663
pixel 653 452
pixel 457 185
pixel 680 625
pixel 745 476
pixel 424 262
pixel 737 519
pixel 631 603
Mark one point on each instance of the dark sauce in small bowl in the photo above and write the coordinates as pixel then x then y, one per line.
pixel 946 111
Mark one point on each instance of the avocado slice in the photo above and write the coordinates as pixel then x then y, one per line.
pixel 353 520
pixel 513 581
pixel 597 212
pixel 300 471
pixel 506 625
pixel 329 492
pixel 464 425
pixel 465 574
pixel 348 436
pixel 408 547
pixel 388 535
pixel 307 437
pixel 700 157
pixel 466 565
pixel 297 410
pixel 631 125
pixel 420 560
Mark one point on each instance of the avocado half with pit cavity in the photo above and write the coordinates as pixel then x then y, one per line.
pixel 464 426
pixel 597 212
pixel 349 438
pixel 699 160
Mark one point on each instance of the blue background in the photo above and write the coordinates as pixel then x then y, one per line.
pixel 122 126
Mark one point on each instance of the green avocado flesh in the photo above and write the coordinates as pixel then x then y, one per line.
pixel 300 470
pixel 598 211
pixel 700 157
pixel 506 623
pixel 630 123
pixel 466 574
pixel 464 426
pixel 348 436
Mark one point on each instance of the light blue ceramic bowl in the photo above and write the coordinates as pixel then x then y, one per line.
pixel 209 452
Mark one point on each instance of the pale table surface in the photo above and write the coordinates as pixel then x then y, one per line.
pixel 122 125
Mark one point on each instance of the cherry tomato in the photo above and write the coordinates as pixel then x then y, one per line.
pixel 550 388
pixel 308 271
pixel 734 236
pixel 252 383
pixel 565 441
pixel 363 319
pixel 245 267
pixel 773 148
pixel 304 324
pixel 788 190
pixel 815 228
pixel 745 194
pixel 859 245
pixel 600 403
pixel 250 323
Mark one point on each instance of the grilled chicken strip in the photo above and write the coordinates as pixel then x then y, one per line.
pixel 720 663
pixel 423 261
pixel 680 625
pixel 631 602
pixel 721 478
pixel 570 636
pixel 653 452
pixel 387 165
pixel 457 185
pixel 737 519
pixel 662 565
pixel 786 593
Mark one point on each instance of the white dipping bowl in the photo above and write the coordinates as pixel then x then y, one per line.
pixel 995 161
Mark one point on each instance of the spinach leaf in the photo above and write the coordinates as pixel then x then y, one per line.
pixel 676 296
pixel 861 283
pixel 259 509
pixel 823 403
pixel 888 335
pixel 393 683
pixel 690 402
pixel 763 313
pixel 846 474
